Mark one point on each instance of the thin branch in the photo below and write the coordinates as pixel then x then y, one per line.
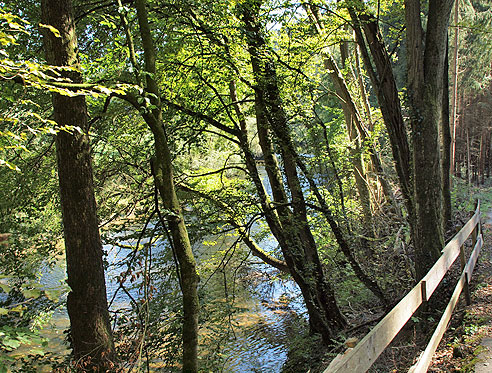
pixel 232 131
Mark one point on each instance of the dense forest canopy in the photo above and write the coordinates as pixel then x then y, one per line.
pixel 224 180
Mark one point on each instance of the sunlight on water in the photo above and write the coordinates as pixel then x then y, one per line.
pixel 261 332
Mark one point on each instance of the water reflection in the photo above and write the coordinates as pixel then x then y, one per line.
pixel 261 333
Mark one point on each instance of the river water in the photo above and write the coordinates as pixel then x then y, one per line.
pixel 273 310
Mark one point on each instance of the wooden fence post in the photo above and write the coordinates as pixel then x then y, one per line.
pixel 479 226
pixel 475 230
pixel 466 289
pixel 423 289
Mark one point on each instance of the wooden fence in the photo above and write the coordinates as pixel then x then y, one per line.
pixel 365 353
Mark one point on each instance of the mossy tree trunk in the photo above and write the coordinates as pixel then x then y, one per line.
pixel 419 170
pixel 425 69
pixel 293 231
pixel 163 174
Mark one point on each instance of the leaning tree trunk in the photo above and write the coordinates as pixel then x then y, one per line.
pixel 295 238
pixel 163 174
pixel 357 151
pixel 351 112
pixel 90 330
pixel 419 171
pixel 353 124
pixel 384 83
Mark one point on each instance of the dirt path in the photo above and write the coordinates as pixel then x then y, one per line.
pixel 484 364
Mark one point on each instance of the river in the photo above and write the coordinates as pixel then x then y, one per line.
pixel 271 315
pixel 272 312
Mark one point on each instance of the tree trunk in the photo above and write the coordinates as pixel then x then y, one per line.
pixel 299 248
pixel 361 179
pixel 460 149
pixel 421 184
pixel 356 151
pixel 446 149
pixel 281 201
pixel 425 88
pixel 90 330
pixel 362 88
pixel 489 154
pixel 163 175
pixel 353 119
pixel 384 83
pixel 468 158
pixel 454 104
pixel 481 162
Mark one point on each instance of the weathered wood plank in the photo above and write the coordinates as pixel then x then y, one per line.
pixel 360 358
pixel 466 288
pixel 449 255
pixel 426 357
pixel 370 347
pixel 470 266
pixel 424 361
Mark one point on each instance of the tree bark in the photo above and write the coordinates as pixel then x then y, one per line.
pixel 454 104
pixel 419 171
pixel 481 162
pixel 296 240
pixel 357 154
pixel 362 88
pixel 163 177
pixel 90 330
pixel 384 83
pixel 446 149
pixel 425 71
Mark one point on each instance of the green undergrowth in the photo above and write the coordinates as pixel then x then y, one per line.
pixel 464 196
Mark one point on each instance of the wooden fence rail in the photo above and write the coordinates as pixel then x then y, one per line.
pixel 362 356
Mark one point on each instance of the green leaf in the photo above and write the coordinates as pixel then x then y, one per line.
pixel 53 295
pixel 11 343
pixel 52 29
pixel 5 288
pixel 31 293
pixel 3 311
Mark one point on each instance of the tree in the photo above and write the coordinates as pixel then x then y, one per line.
pixel 164 180
pixel 471 87
pixel 422 187
pixel 90 330
pixel 293 232
pixel 425 61
pixel 356 128
pixel 286 210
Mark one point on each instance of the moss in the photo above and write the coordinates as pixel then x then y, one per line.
pixel 472 360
